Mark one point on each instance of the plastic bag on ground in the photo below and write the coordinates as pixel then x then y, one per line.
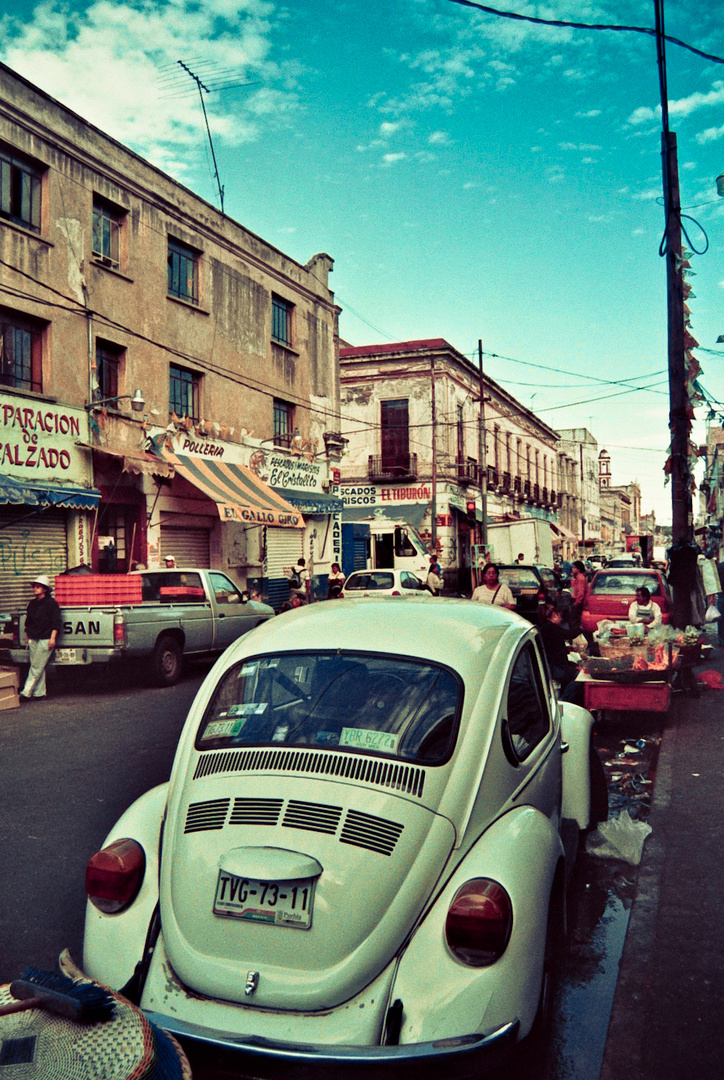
pixel 619 838
pixel 713 614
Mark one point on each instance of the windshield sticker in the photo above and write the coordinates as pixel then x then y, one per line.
pixel 364 739
pixel 268 664
pixel 248 669
pixel 327 738
pixel 301 674
pixel 249 708
pixel 223 729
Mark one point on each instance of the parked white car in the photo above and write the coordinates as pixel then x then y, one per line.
pixel 361 855
pixel 384 583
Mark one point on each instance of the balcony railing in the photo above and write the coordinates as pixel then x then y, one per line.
pixel 467 471
pixel 492 477
pixel 553 498
pixel 526 488
pixel 400 467
pixel 517 485
pixel 536 492
pixel 506 484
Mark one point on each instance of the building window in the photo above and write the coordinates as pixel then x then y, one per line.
pixel 108 364
pixel 20 352
pixel 183 272
pixel 19 192
pixel 282 320
pixel 184 393
pixel 283 423
pixel 460 433
pixel 395 433
pixel 106 233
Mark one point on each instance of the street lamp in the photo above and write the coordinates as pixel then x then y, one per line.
pixel 137 400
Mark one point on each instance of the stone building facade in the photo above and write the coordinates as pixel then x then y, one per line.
pixel 422 450
pixel 167 376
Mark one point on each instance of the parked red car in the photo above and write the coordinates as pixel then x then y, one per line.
pixel 614 590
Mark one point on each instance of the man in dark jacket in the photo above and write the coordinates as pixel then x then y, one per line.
pixel 42 626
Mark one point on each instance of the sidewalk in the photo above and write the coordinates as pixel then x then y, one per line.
pixel 666 1022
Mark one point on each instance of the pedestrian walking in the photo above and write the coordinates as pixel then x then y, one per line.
pixel 300 582
pixel 335 582
pixel 42 626
pixel 434 577
pixel 579 589
pixel 493 590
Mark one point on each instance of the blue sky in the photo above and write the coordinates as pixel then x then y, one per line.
pixel 473 177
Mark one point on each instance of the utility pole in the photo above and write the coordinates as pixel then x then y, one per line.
pixel 433 505
pixel 481 450
pixel 682 571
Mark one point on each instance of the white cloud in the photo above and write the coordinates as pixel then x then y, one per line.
pixel 439 138
pixel 115 63
pixel 710 135
pixel 392 159
pixel 683 107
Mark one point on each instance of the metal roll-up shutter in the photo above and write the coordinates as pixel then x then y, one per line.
pixel 189 547
pixel 283 548
pixel 30 544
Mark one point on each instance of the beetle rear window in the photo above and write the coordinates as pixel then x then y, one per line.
pixel 351 702
pixel 620 582
pixel 370 581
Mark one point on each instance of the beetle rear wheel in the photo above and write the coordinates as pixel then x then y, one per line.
pixel 167 661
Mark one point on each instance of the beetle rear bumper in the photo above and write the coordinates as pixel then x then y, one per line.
pixel 464 1056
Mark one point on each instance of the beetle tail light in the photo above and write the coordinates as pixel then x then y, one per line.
pixel 479 922
pixel 114 875
pixel 395 592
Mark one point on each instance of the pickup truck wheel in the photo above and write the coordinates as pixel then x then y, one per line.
pixel 167 661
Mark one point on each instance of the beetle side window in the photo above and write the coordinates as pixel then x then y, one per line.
pixel 527 720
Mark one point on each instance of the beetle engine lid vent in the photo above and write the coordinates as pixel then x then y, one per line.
pixel 202 816
pixel 314 817
pixel 367 831
pixel 406 779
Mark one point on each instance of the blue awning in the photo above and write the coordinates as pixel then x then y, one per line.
pixel 314 502
pixel 21 493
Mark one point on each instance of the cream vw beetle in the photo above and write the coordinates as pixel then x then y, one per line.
pixel 361 852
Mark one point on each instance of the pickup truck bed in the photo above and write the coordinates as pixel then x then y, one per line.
pixel 184 612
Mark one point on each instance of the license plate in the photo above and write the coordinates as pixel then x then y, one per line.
pixel 279 903
pixel 65 656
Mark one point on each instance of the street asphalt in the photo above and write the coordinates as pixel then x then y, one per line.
pixel 666 1022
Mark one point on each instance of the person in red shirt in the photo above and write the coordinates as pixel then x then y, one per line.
pixel 579 588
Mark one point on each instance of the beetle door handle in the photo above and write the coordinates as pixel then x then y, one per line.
pixel 565 747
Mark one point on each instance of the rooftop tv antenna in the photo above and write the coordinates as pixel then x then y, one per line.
pixel 203 89
pixel 212 77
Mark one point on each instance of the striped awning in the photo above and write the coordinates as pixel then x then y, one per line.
pixel 239 494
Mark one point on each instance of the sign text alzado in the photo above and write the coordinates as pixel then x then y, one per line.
pixel 32 437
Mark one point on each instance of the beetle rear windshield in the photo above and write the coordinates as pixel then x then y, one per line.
pixel 618 581
pixel 351 702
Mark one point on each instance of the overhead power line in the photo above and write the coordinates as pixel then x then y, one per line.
pixel 567 24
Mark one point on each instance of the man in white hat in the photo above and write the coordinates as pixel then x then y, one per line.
pixel 42 626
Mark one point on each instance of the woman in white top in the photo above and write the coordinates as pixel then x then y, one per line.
pixel 644 610
pixel 493 591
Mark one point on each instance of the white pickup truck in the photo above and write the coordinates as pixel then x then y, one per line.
pixel 184 612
